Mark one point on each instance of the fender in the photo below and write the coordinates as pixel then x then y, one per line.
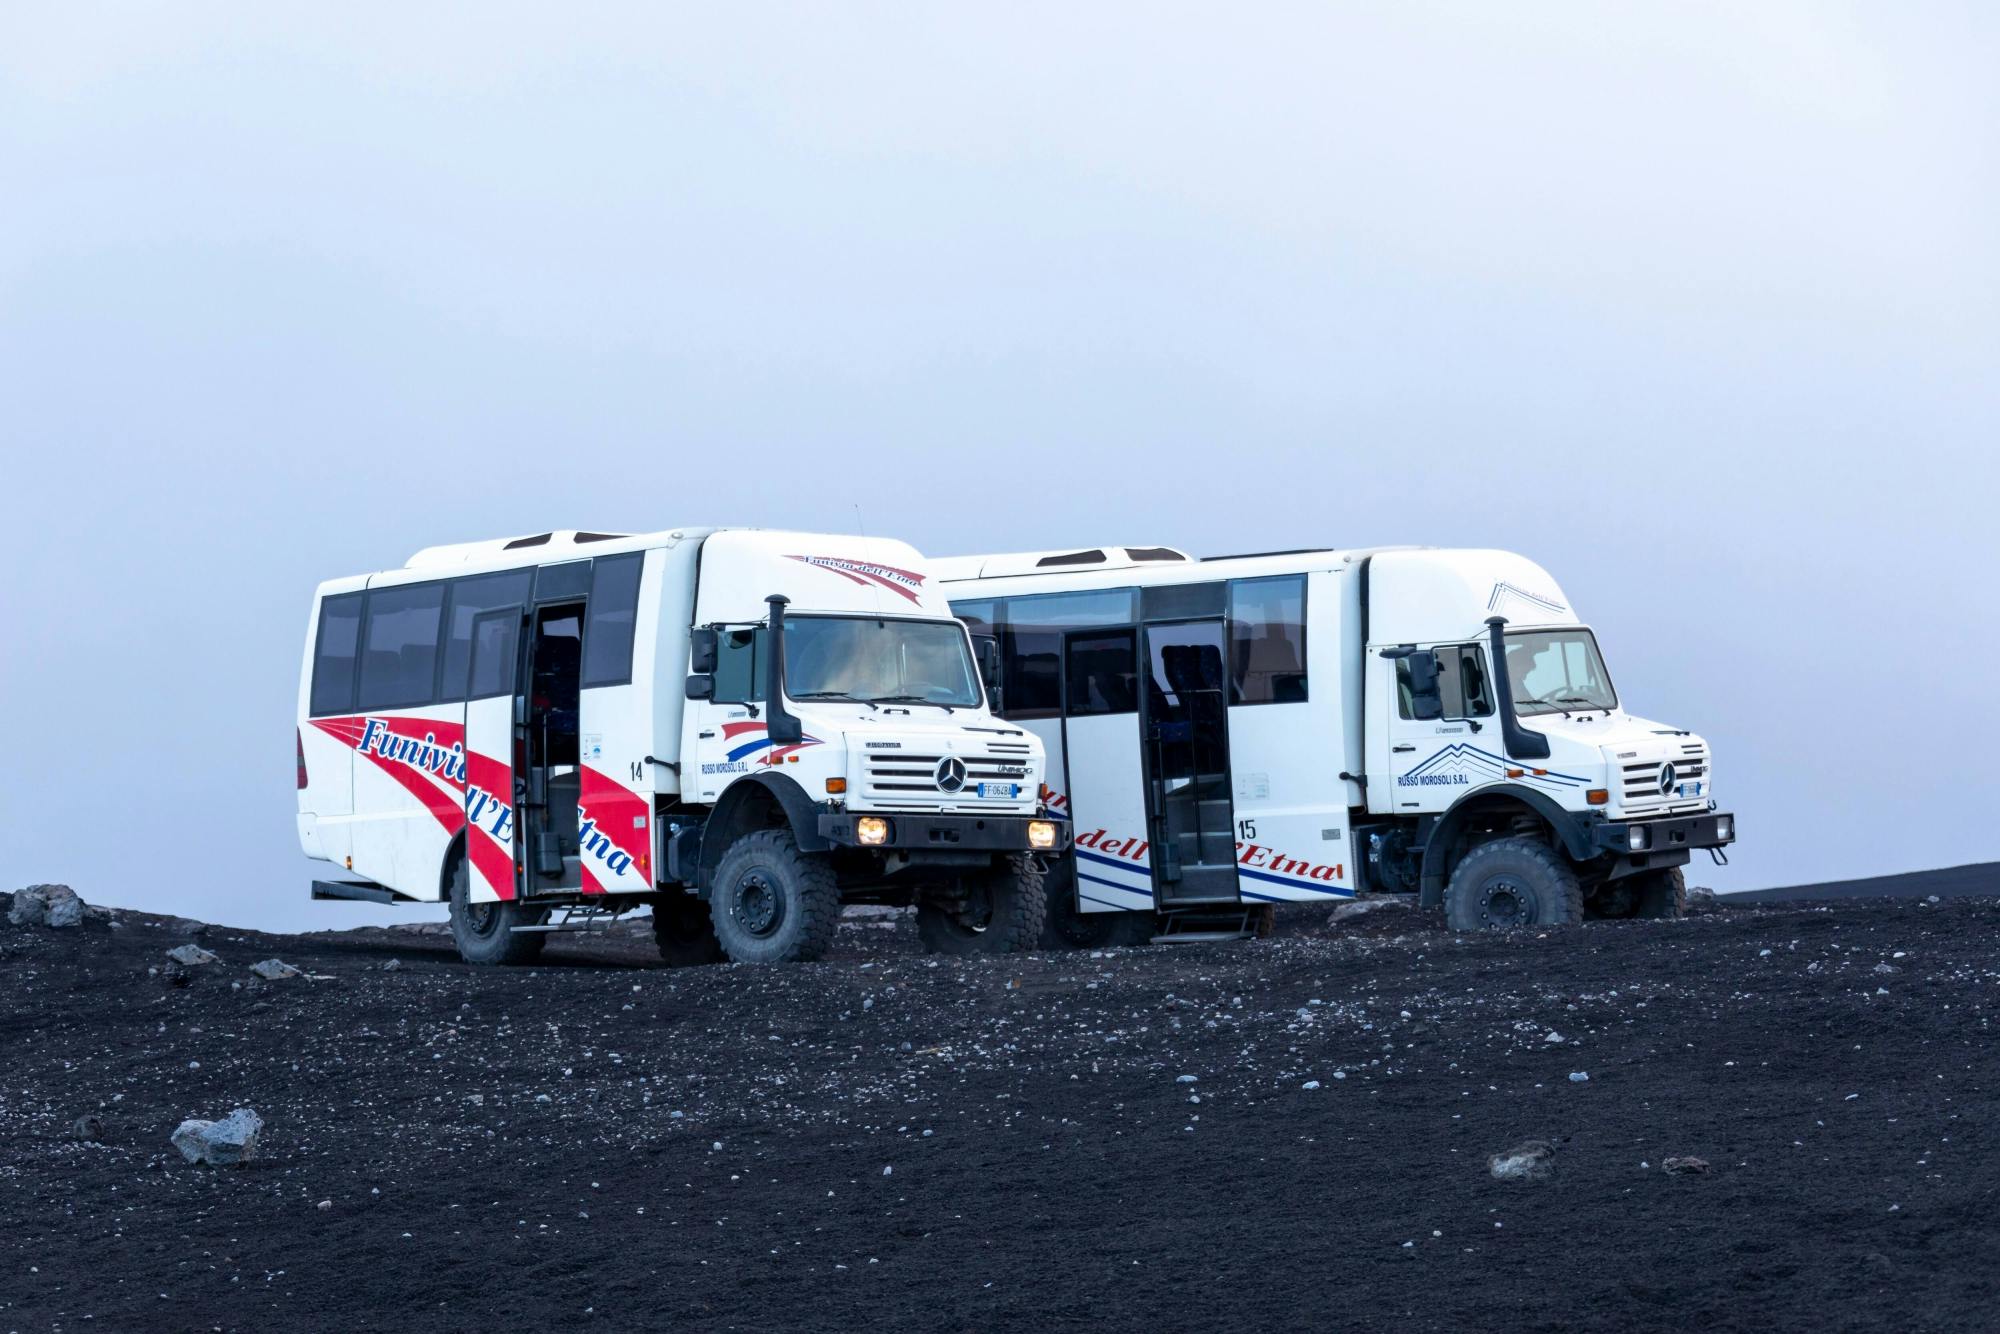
pixel 1572 829
pixel 727 821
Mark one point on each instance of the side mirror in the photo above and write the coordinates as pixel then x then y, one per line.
pixel 700 687
pixel 987 649
pixel 1426 700
pixel 703 645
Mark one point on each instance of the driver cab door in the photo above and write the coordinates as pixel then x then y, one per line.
pixel 1439 725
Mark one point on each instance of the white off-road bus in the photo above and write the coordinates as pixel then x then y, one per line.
pixel 1228 734
pixel 739 728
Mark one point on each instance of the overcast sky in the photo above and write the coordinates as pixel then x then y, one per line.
pixel 1697 305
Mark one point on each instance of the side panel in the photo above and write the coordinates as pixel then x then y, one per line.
pixel 409 780
pixel 492 789
pixel 1107 800
pixel 616 730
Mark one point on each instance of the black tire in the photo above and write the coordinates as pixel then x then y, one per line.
pixel 484 932
pixel 1001 911
pixel 685 932
pixel 771 903
pixel 1511 883
pixel 1066 926
pixel 1264 920
pixel 1660 893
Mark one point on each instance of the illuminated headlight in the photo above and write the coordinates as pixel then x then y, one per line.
pixel 872 830
pixel 1041 833
pixel 1638 838
pixel 1725 827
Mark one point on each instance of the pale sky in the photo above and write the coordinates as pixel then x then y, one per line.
pixel 1697 305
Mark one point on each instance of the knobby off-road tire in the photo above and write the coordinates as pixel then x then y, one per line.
pixel 483 931
pixel 1660 893
pixel 1002 913
pixel 685 932
pixel 1067 927
pixel 771 903
pixel 1511 883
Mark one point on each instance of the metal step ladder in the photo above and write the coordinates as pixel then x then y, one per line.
pixel 1211 925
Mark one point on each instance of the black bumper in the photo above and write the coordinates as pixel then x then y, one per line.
pixel 1678 833
pixel 911 832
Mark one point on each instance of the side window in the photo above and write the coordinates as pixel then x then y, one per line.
pixel 1267 640
pixel 495 641
pixel 739 666
pixel 470 597
pixel 1462 682
pixel 1103 674
pixel 399 654
pixel 333 654
pixel 1032 648
pixel 610 615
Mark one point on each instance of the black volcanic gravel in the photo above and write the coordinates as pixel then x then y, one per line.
pixel 895 1140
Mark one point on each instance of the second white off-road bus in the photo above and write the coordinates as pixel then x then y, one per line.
pixel 741 728
pixel 1229 734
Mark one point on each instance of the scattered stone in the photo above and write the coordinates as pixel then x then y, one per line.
pixel 392 965
pixel 221 1143
pixel 191 955
pixel 175 974
pixel 1579 1077
pixel 1685 1167
pixel 1354 908
pixel 275 970
pixel 1533 1161
pixel 326 1206
pixel 1310 1084
pixel 89 1129
pixel 46 905
pixel 1700 897
pixel 1552 1036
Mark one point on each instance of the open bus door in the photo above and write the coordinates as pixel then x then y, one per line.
pixel 493 717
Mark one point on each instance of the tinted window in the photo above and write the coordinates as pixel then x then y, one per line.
pixel 611 613
pixel 1267 640
pixel 1463 684
pixel 1181 602
pixel 1031 646
pixel 333 654
pixel 982 618
pixel 399 658
pixel 559 583
pixel 739 665
pixel 469 597
pixel 1103 674
pixel 493 653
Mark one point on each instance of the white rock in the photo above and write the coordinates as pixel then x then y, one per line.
pixel 220 1143
pixel 275 970
pixel 191 955
pixel 1579 1077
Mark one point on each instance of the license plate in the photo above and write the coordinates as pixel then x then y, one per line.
pixel 1692 789
pixel 1008 790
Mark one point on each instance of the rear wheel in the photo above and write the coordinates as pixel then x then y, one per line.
pixel 771 903
pixel 484 932
pixel 1511 883
pixel 999 910
pixel 685 932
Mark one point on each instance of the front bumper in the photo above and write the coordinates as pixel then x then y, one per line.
pixel 910 832
pixel 1714 829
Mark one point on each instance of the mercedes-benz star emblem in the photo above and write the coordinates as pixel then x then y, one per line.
pixel 1669 776
pixel 950 774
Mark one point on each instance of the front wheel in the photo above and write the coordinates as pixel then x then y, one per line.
pixel 484 932
pixel 772 903
pixel 1511 883
pixel 999 910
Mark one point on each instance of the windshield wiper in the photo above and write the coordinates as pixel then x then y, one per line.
pixel 837 694
pixel 914 699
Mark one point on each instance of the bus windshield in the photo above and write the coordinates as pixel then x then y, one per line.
pixel 878 660
pixel 1557 671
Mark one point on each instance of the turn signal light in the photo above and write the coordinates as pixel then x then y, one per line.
pixel 872 830
pixel 1517 773
pixel 836 785
pixel 1041 833
pixel 1597 796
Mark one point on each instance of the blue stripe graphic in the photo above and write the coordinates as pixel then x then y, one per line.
pixel 1147 892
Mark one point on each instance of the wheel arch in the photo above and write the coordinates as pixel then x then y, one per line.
pixel 753 802
pixel 454 857
pixel 1445 842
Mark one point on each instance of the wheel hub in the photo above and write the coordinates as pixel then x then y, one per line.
pixel 1505 902
pixel 756 904
pixel 481 917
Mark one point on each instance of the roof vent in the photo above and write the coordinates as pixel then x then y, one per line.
pixel 1154 553
pixel 1091 557
pixel 538 540
pixel 599 537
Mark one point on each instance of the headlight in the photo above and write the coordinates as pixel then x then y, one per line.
pixel 872 830
pixel 1638 838
pixel 1041 833
pixel 1725 827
